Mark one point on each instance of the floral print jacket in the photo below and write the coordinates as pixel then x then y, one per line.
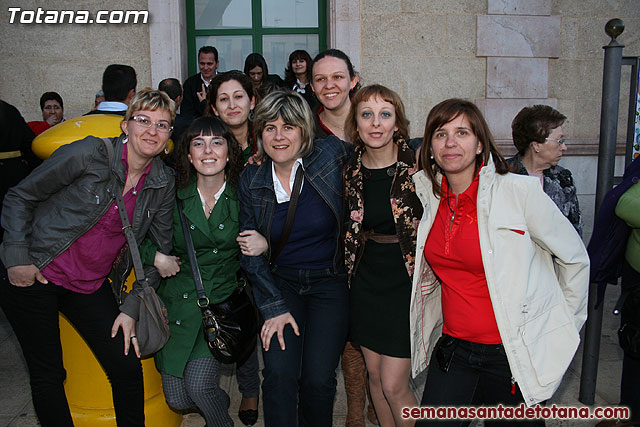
pixel 405 205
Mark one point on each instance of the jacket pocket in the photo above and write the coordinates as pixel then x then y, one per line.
pixel 551 341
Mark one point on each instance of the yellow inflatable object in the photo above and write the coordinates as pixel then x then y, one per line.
pixel 100 125
pixel 87 387
pixel 89 392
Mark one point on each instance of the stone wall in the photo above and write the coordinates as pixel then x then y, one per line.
pixel 67 58
pixel 503 54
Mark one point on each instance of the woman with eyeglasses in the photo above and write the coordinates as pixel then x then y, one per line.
pixel 62 236
pixel 538 136
pixel 501 277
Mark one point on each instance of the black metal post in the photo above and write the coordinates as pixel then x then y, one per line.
pixel 606 166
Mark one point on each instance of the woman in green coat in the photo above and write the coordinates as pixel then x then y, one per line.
pixel 208 164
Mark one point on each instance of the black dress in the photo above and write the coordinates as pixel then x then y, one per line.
pixel 381 287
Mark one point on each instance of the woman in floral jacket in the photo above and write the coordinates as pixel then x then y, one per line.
pixel 380 244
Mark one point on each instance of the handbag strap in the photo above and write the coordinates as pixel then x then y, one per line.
pixel 203 300
pixel 126 225
pixel 291 213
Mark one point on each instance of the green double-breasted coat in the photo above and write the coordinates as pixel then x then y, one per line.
pixel 218 256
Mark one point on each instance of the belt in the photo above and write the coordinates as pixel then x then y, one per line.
pixel 379 238
pixel 10 154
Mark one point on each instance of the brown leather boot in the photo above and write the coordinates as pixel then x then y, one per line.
pixel 371 411
pixel 355 374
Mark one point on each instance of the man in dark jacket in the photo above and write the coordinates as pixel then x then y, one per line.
pixel 195 87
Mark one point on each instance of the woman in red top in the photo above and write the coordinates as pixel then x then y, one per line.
pixel 511 274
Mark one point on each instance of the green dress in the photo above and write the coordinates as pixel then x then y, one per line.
pixel 381 287
pixel 218 258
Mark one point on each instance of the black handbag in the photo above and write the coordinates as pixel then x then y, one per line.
pixel 231 326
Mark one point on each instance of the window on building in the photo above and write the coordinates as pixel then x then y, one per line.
pixel 273 28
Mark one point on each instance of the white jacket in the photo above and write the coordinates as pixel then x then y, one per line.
pixel 538 281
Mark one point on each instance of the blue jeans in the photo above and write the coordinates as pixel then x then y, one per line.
pixel 478 375
pixel 299 383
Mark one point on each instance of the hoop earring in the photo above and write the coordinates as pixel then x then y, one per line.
pixel 251 115
pixel 126 139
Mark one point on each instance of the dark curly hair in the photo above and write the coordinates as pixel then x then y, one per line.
pixel 289 76
pixel 207 126
pixel 534 123
pixel 219 79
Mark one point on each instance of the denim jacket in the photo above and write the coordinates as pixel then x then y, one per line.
pixel 323 171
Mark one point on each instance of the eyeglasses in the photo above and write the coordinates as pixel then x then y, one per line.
pixel 161 126
pixel 557 141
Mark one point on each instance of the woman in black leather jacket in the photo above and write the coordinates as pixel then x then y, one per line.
pixel 63 235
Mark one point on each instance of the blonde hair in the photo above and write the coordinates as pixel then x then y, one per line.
pixel 151 100
pixel 293 110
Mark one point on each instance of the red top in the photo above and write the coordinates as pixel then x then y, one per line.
pixel 320 110
pixel 38 127
pixel 84 266
pixel 453 251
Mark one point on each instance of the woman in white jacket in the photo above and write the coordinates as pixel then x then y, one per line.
pixel 501 278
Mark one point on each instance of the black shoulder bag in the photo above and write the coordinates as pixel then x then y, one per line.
pixel 231 326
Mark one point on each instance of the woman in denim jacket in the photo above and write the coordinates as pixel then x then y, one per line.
pixel 302 294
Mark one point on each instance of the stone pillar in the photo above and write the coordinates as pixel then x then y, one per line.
pixel 167 40
pixel 517 37
pixel 344 28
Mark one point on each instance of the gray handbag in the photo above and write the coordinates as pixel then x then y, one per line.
pixel 152 326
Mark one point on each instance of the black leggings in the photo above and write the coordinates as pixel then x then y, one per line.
pixel 33 314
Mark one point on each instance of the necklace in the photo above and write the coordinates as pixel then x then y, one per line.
pixel 207 206
pixel 133 186
pixel 453 211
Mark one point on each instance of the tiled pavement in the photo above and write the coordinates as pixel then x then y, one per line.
pixel 16 409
